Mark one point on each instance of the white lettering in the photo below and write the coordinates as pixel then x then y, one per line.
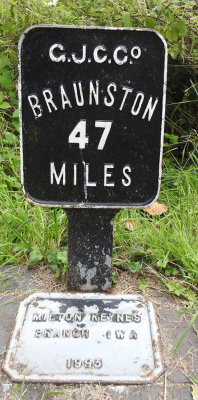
pixel 79 101
pixel 127 90
pixel 120 61
pixel 34 103
pixel 94 92
pixel 51 53
pixel 75 175
pixel 150 108
pixel 136 52
pixel 78 135
pixel 64 98
pixel 83 58
pixel 108 175
pixel 114 88
pixel 139 97
pixel 48 99
pixel 107 126
pixel 127 181
pixel 53 174
pixel 96 56
pixel 87 176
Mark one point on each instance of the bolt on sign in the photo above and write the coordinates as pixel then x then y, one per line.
pixel 92 104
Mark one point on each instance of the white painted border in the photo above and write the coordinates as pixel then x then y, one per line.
pixel 82 204
pixel 155 338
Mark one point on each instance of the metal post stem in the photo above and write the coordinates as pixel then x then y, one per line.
pixel 90 238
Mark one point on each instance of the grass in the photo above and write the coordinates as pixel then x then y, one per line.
pixel 34 235
pixel 169 242
pixel 173 237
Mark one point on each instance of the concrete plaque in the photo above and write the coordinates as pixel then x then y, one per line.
pixel 84 338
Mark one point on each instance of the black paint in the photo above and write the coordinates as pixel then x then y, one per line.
pixel 90 249
pixel 132 140
pixel 133 144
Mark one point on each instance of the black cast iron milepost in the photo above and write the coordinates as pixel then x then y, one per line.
pixel 92 106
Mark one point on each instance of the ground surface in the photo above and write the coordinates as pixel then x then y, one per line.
pixel 172 385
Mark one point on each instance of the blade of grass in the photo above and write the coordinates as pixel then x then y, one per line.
pixel 17 233
pixel 184 334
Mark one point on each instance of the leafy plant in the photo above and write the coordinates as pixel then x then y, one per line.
pixel 143 285
pixel 115 276
pixel 57 261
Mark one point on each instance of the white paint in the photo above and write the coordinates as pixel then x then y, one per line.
pixel 127 91
pixel 111 101
pixel 122 359
pixel 49 100
pixel 108 174
pixel 94 91
pixel 108 260
pixel 53 174
pixel 34 103
pixel 79 97
pixel 78 60
pixel 97 57
pixel 84 182
pixel 75 175
pixel 107 285
pixel 93 29
pixel 52 55
pixel 136 52
pixel 82 270
pixel 150 108
pixel 91 309
pixel 137 103
pixel 90 274
pixel 78 134
pixel 123 60
pixel 64 98
pixel 107 126
pixel 95 96
pixel 126 171
pixel 88 183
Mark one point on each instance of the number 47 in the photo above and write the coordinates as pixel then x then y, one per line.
pixel 78 135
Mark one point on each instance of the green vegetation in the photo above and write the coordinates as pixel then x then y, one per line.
pixel 167 243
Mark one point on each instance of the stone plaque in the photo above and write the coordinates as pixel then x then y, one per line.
pixel 92 104
pixel 84 338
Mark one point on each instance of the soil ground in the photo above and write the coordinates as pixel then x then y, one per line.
pixel 174 384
